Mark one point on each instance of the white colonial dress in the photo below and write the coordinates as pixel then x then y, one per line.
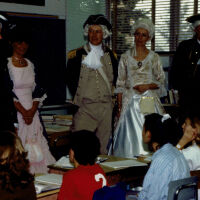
pixel 31 135
pixel 128 132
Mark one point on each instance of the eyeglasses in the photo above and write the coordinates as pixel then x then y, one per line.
pixel 141 34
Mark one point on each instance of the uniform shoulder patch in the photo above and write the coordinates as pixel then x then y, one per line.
pixel 71 54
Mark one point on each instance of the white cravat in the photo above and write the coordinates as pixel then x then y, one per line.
pixel 92 60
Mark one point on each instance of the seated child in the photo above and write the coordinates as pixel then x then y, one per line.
pixel 161 133
pixel 87 177
pixel 191 137
pixel 16 182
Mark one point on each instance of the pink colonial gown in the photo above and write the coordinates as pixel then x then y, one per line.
pixel 31 135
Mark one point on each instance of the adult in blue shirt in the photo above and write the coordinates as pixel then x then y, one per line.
pixel 161 133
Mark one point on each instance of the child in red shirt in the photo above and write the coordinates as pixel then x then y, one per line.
pixel 81 182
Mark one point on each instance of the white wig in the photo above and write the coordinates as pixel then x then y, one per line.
pixel 146 24
pixel 106 32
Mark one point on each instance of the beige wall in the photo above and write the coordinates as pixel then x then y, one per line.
pixel 52 7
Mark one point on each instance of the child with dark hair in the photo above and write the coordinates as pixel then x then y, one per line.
pixel 87 177
pixel 162 133
pixel 189 144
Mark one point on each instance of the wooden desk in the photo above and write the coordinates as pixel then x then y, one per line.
pixel 196 173
pixel 59 143
pixel 131 175
pixel 50 195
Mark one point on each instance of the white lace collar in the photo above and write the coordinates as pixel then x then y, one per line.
pixel 92 60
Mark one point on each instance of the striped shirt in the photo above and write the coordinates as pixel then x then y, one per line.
pixel 168 164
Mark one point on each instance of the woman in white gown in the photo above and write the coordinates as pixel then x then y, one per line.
pixel 27 96
pixel 140 85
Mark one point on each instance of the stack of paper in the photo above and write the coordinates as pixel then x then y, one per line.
pixel 47 182
pixel 123 164
pixel 56 128
pixel 55 179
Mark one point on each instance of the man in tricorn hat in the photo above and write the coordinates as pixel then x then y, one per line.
pixel 185 71
pixel 91 73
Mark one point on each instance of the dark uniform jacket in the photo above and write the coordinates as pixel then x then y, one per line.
pixel 185 73
pixel 8 111
pixel 74 67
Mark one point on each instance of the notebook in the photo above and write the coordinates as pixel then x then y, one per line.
pixel 55 179
pixel 123 164
pixel 47 182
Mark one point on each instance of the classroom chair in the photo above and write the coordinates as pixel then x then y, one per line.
pixel 183 189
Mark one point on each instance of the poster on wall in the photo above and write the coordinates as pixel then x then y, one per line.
pixel 27 2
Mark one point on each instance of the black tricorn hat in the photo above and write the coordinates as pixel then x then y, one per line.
pixel 193 18
pixel 97 20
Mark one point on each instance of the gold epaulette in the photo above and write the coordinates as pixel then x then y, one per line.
pixel 115 55
pixel 71 54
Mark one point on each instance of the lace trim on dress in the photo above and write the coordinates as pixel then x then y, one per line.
pixel 40 100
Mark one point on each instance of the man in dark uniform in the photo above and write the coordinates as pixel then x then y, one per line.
pixel 185 71
pixel 8 112
pixel 91 74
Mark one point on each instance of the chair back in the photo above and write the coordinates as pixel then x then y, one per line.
pixel 183 189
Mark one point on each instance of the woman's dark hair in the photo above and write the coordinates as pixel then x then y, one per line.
pixel 164 132
pixel 20 36
pixel 14 166
pixel 86 146
pixel 20 33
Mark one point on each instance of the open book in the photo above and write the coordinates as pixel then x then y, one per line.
pixel 47 182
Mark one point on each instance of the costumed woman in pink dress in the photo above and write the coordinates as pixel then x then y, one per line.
pixel 28 96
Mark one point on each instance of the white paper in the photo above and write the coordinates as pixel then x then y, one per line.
pixel 123 164
pixel 64 162
pixel 55 179
pixel 43 187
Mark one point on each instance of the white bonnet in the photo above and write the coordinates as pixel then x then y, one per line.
pixel 146 24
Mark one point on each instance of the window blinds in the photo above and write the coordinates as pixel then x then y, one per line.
pixel 169 17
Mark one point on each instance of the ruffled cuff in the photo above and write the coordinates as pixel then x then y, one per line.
pixel 41 99
pixel 119 90
pixel 15 99
pixel 161 91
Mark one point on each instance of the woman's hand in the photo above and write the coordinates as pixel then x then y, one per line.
pixel 144 87
pixel 119 104
pixel 28 120
pixel 27 114
pixel 141 88
pixel 119 111
pixel 31 112
pixel 28 117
